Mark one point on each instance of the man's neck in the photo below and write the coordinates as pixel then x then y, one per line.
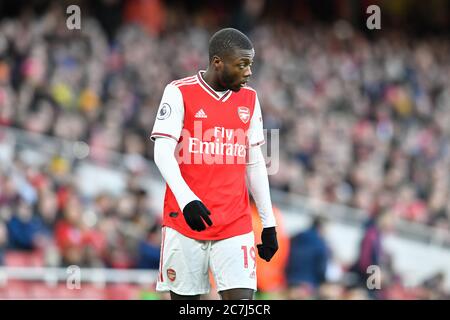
pixel 210 78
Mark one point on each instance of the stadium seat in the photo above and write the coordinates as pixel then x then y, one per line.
pixel 24 259
pixel 17 290
pixel 123 292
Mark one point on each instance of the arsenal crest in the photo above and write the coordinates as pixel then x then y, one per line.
pixel 244 114
pixel 171 274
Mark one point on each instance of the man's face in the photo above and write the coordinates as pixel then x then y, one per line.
pixel 235 69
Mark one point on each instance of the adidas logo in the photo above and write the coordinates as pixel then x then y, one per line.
pixel 201 114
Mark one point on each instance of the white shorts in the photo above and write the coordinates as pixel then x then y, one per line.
pixel 185 263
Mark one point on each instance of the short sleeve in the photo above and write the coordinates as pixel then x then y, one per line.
pixel 170 115
pixel 256 133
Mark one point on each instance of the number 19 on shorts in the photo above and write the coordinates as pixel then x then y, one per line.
pixel 249 252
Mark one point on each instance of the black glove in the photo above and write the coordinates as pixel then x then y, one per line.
pixel 269 245
pixel 194 213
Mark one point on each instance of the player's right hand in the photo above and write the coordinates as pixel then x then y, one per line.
pixel 196 214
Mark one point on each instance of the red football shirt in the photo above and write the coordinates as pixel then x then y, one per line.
pixel 214 131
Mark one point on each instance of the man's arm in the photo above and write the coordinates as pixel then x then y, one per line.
pixel 258 183
pixel 164 156
pixel 166 133
pixel 194 211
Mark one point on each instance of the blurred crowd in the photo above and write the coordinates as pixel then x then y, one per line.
pixel 313 272
pixel 362 123
pixel 42 211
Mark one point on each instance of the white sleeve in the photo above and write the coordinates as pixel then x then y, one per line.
pixel 170 117
pixel 256 133
pixel 258 183
pixel 164 156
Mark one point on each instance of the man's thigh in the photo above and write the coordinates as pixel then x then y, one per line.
pixel 184 264
pixel 233 263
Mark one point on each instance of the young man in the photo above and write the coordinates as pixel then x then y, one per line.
pixel 212 121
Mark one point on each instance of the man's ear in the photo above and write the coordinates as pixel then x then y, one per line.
pixel 217 63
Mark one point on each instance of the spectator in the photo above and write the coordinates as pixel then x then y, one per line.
pixel 308 259
pixel 371 250
pixel 149 249
pixel 24 228
pixel 78 244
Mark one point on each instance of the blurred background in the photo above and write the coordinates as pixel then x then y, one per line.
pixel 363 118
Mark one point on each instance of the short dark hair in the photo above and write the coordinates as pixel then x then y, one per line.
pixel 227 40
pixel 318 222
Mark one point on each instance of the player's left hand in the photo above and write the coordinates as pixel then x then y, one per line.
pixel 269 245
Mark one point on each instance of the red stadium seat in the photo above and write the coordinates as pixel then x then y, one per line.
pixel 17 290
pixel 41 291
pixel 91 292
pixel 24 259
pixel 123 292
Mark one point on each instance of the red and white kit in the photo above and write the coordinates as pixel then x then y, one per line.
pixel 214 132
